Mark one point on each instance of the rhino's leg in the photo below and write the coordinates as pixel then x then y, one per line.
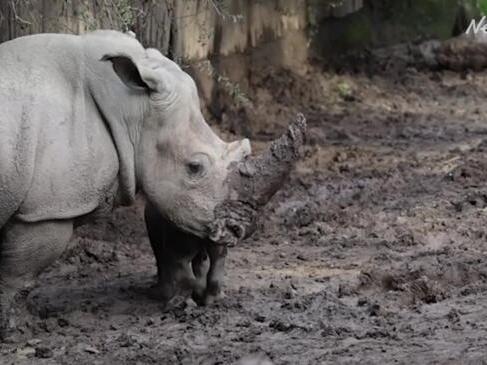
pixel 173 254
pixel 216 275
pixel 157 235
pixel 174 275
pixel 201 267
pixel 209 287
pixel 165 288
pixel 25 250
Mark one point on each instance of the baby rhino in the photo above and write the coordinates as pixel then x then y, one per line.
pixel 185 262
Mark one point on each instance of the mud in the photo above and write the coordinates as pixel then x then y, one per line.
pixel 373 251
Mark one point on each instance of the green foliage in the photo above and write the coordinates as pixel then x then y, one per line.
pixel 227 85
pixel 87 18
pixel 125 13
pixel 116 14
pixel 482 4
pixel 344 89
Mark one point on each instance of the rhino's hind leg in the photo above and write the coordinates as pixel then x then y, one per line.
pixel 26 249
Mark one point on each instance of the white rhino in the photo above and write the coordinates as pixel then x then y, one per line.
pixel 86 121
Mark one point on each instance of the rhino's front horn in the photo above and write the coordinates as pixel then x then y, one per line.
pixel 253 181
pixel 238 150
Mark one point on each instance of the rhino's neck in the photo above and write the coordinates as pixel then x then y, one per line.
pixel 122 109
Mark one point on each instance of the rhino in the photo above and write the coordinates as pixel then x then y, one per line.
pixel 187 262
pixel 86 122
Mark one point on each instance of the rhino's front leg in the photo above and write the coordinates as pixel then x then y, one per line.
pixel 201 267
pixel 209 286
pixel 216 275
pixel 26 249
pixel 174 251
pixel 184 261
pixel 156 228
pixel 174 275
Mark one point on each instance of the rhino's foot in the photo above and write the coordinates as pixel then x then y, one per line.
pixel 207 297
pixel 206 300
pixel 160 293
pixel 214 292
pixel 198 298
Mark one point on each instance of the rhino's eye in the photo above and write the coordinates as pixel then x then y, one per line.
pixel 194 168
pixel 198 165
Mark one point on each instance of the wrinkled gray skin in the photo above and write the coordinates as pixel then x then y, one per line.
pixel 184 261
pixel 89 120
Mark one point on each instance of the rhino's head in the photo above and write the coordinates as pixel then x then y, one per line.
pixel 181 164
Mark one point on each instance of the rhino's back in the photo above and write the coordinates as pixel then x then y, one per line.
pixel 56 155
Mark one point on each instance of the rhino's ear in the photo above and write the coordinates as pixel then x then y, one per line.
pixel 132 75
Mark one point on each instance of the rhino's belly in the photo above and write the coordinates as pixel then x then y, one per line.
pixel 75 173
pixel 70 202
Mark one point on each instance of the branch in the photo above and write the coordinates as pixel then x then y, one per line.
pixel 18 18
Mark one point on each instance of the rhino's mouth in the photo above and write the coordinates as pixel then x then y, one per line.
pixel 238 223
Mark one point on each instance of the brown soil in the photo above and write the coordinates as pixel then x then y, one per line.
pixel 373 252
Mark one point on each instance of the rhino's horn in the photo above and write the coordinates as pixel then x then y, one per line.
pixel 253 182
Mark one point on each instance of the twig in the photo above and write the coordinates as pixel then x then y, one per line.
pixel 18 18
pixel 217 9
pixel 225 14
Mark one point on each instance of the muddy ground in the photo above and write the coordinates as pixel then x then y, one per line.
pixel 373 253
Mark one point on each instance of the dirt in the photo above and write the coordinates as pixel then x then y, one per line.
pixel 373 252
